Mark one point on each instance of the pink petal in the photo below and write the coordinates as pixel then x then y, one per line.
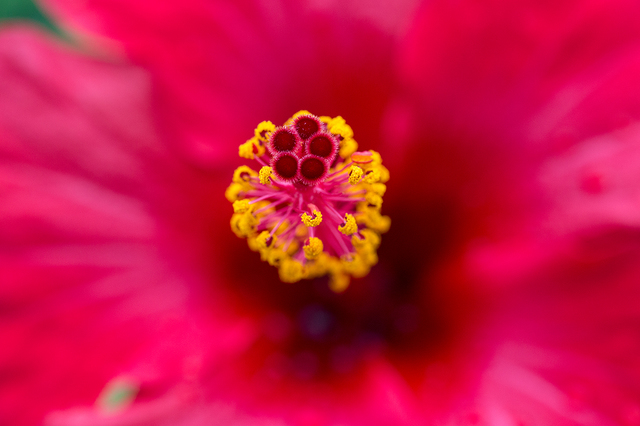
pixel 221 68
pixel 82 291
pixel 492 64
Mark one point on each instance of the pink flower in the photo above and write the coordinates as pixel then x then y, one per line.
pixel 506 291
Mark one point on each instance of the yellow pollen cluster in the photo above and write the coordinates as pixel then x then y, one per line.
pixel 355 173
pixel 264 240
pixel 349 227
pixel 251 148
pixel 373 176
pixel 265 174
pixel 313 248
pixel 243 174
pixel 308 228
pixel 263 130
pixel 312 220
pixel 241 206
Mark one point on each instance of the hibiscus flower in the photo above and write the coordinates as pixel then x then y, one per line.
pixel 506 288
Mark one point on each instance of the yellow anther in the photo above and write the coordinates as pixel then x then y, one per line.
pixel 376 164
pixel 347 147
pixel 251 148
pixel 338 126
pixel 233 191
pixel 290 271
pixel 373 199
pixel 243 173
pixel 377 158
pixel 372 176
pixel 246 150
pixel 263 129
pixel 339 282
pixel 365 238
pixel 369 256
pixel 247 223
pixel 241 206
pixel 325 119
pixel 371 236
pixel 293 248
pixel 313 248
pixel 235 220
pixel 355 173
pixel 343 130
pixel 384 173
pixel 319 267
pixel 338 120
pixel 312 221
pixel 378 188
pixel 265 174
pixel 349 226
pixel 252 241
pixel 374 220
pixel 265 240
pixel 355 266
pixel 359 241
pixel 276 256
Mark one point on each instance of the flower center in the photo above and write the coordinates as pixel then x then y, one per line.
pixel 313 208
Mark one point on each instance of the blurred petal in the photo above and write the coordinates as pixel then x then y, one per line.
pixel 222 67
pixel 506 290
pixel 77 236
pixel 494 64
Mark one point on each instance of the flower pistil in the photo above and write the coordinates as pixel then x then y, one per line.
pixel 313 208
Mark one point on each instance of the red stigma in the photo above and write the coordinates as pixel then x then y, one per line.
pixel 312 168
pixel 286 166
pixel 306 127
pixel 283 140
pixel 321 146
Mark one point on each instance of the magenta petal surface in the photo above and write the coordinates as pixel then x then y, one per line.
pixel 506 291
pixel 537 105
pixel 82 289
pixel 499 65
pixel 221 67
